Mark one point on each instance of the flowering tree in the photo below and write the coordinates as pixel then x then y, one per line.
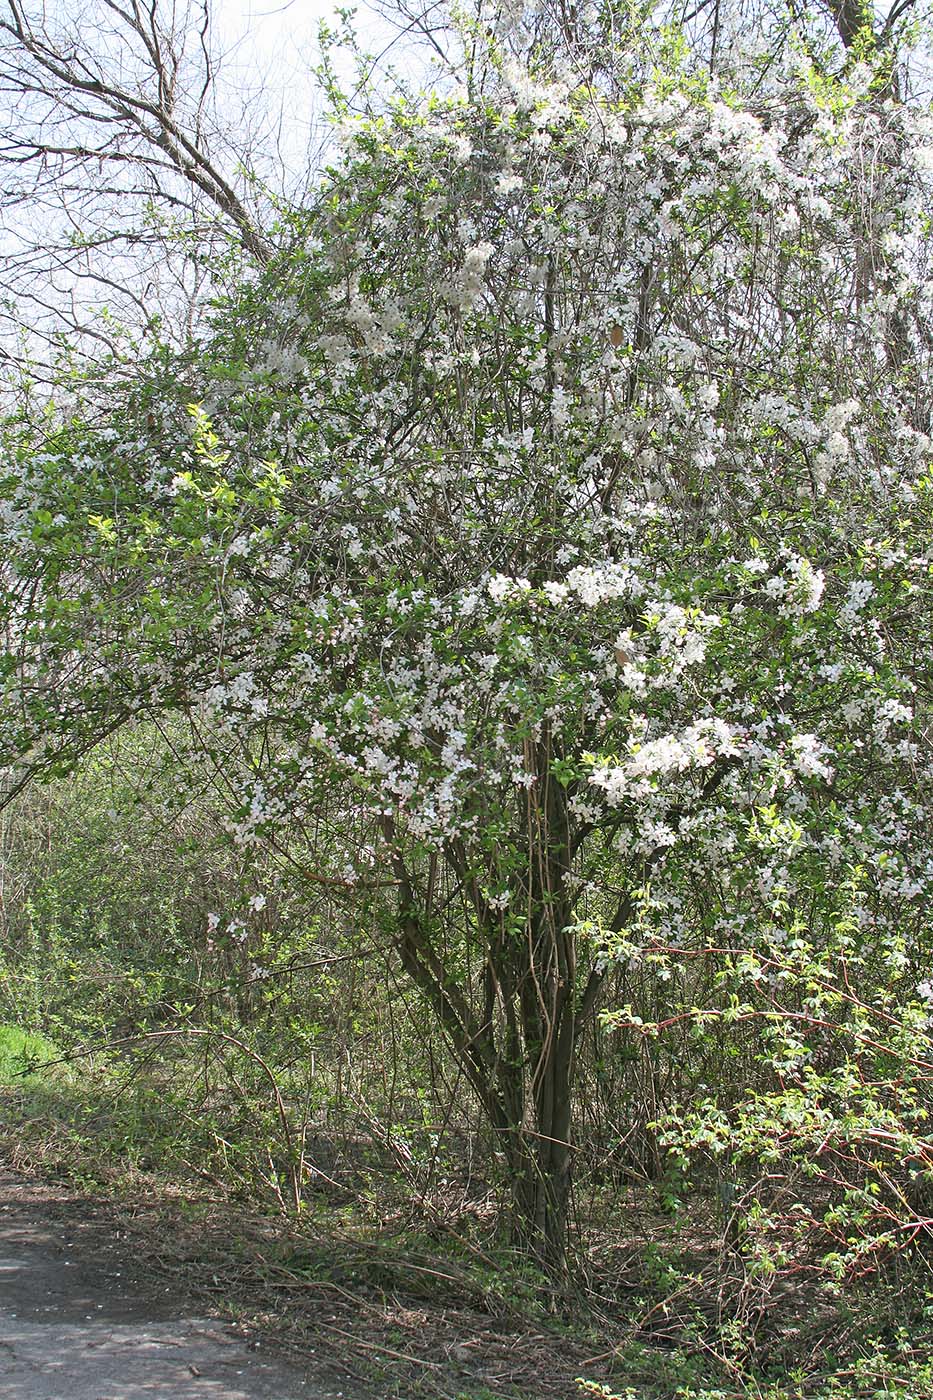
pixel 557 494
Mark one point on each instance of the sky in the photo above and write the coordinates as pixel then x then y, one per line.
pixel 278 39
pixel 274 38
pixel 275 29
pixel 270 48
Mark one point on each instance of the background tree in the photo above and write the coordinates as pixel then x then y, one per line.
pixel 130 160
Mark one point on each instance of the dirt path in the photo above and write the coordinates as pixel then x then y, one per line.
pixel 80 1320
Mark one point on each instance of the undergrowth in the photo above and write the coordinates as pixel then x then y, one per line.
pixel 667 1308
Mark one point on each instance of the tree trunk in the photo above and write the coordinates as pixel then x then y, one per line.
pixel 540 1191
pixel 542 1149
pixel 540 1162
pixel 517 1048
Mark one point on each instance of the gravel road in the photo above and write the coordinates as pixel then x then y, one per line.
pixel 79 1320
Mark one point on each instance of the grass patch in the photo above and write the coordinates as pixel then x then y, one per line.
pixel 22 1052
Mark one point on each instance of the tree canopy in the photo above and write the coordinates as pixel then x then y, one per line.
pixel 554 488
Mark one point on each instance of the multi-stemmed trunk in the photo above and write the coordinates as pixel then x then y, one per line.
pixel 540 1157
pixel 514 1033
